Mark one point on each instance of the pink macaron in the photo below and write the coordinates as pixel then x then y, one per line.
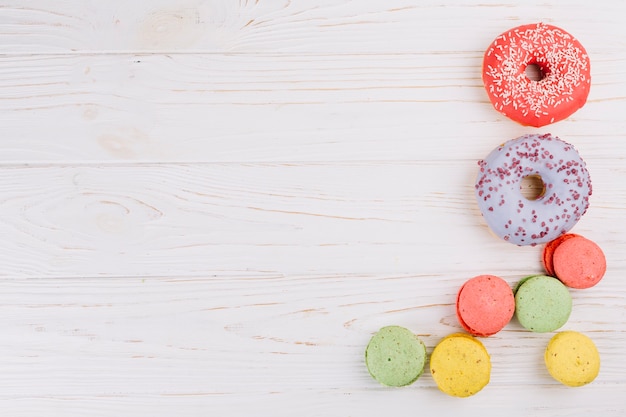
pixel 548 251
pixel 579 262
pixel 484 305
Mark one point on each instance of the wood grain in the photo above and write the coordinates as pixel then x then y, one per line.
pixel 279 218
pixel 243 108
pixel 301 26
pixel 207 207
pixel 121 345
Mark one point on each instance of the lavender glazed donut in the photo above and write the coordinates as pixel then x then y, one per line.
pixel 565 196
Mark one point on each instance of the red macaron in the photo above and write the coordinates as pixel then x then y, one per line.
pixel 484 305
pixel 548 251
pixel 579 262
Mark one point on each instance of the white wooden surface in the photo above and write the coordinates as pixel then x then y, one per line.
pixel 208 207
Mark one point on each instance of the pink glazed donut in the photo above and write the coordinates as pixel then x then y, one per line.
pixel 564 70
pixel 564 200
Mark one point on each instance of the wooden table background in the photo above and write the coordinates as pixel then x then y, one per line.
pixel 208 207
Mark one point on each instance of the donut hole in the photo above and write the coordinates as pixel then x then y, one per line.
pixel 534 72
pixel 532 187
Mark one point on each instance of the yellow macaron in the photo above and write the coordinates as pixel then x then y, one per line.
pixel 460 365
pixel 572 358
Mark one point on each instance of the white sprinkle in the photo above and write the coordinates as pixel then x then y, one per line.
pixel 550 48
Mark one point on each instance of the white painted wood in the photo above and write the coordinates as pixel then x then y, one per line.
pixel 219 108
pixel 208 207
pixel 264 344
pixel 276 218
pixel 302 26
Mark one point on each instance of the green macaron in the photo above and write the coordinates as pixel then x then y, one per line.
pixel 542 303
pixel 395 356
pixel 522 281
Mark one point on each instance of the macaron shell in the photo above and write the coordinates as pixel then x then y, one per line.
pixel 550 247
pixel 523 280
pixel 460 365
pixel 485 304
pixel 542 304
pixel 395 356
pixel 579 263
pixel 458 316
pixel 572 359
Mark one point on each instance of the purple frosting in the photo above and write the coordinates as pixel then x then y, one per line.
pixel 521 221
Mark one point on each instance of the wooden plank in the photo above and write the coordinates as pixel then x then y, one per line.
pixel 186 220
pixel 303 26
pixel 207 207
pixel 235 108
pixel 513 402
pixel 121 345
